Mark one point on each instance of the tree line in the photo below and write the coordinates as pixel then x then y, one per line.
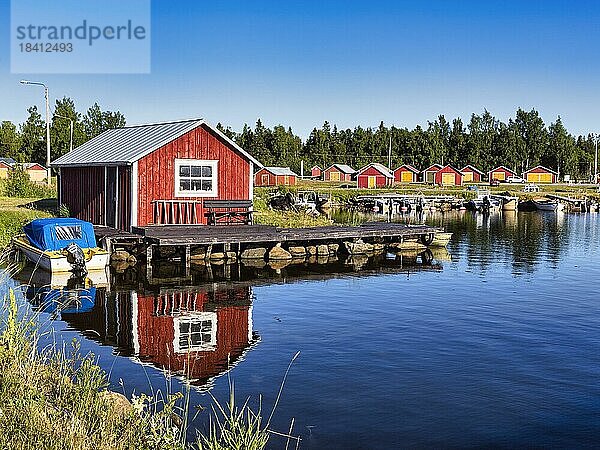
pixel 27 141
pixel 484 142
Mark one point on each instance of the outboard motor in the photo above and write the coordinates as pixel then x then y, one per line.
pixel 76 258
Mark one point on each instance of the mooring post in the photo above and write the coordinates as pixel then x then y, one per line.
pixel 149 262
pixel 187 260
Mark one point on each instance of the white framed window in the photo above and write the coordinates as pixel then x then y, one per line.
pixel 196 178
pixel 195 332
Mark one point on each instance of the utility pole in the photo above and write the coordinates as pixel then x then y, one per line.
pixel 37 83
pixel 596 161
pixel 390 153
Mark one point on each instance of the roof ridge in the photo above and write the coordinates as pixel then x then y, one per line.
pixel 168 122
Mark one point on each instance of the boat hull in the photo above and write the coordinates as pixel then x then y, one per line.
pixel 55 262
pixel 546 206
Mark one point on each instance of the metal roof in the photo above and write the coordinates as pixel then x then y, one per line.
pixel 380 167
pixel 345 168
pixel 128 144
pixel 8 161
pixel 409 167
pixel 280 171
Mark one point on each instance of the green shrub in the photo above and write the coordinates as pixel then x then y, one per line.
pixel 18 184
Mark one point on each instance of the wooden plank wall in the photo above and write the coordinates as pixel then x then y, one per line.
pixel 156 171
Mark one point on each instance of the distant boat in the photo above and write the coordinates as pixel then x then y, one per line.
pixel 546 204
pixel 62 245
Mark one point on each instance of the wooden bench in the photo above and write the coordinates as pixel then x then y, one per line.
pixel 228 212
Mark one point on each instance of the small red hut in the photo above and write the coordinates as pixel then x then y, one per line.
pixel 500 173
pixel 448 176
pixel 540 174
pixel 471 174
pixel 428 175
pixel 126 176
pixel 316 172
pixel 374 175
pixel 406 174
pixel 275 176
pixel 338 172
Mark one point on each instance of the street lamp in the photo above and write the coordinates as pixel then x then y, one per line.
pixel 70 120
pixel 37 83
pixel 596 160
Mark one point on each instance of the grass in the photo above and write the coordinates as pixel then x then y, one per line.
pixel 264 215
pixel 54 397
pixel 14 213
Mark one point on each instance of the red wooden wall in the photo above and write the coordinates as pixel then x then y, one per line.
pixel 156 172
pixel 343 176
pixel 273 180
pixel 476 175
pixel 457 175
pixel 381 180
pixel 82 191
pixel 400 170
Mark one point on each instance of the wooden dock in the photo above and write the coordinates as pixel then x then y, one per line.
pixel 178 235
pixel 227 244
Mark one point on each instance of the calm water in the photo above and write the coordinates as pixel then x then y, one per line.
pixel 495 343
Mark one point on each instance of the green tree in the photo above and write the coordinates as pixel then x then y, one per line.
pixel 60 129
pixel 96 121
pixel 10 141
pixel 561 153
pixel 33 137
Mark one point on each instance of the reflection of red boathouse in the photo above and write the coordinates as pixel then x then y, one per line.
pixel 209 330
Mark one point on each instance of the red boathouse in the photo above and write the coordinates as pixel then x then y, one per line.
pixel 156 173
pixel 374 175
pixel 316 172
pixel 338 172
pixel 448 176
pixel 406 174
pixel 471 174
pixel 275 176
pixel 500 173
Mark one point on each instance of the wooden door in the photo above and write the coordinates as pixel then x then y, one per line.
pixel 334 176
pixel 406 177
pixel 372 182
pixel 111 197
pixel 448 179
pixel 500 176
pixel 468 176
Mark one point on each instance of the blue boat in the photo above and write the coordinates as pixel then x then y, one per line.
pixel 61 245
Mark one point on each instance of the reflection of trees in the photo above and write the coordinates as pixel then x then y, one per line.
pixel 519 240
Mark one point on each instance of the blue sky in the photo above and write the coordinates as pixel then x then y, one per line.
pixel 299 63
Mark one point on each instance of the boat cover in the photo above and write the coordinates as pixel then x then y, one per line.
pixel 56 233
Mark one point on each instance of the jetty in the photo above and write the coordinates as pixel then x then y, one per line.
pixel 574 204
pixel 227 244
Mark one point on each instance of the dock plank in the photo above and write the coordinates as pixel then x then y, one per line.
pixel 262 234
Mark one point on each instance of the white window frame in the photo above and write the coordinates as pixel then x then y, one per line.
pixel 197 162
pixel 195 317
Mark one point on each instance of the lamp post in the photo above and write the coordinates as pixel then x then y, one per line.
pixel 71 135
pixel 37 83
pixel 596 161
